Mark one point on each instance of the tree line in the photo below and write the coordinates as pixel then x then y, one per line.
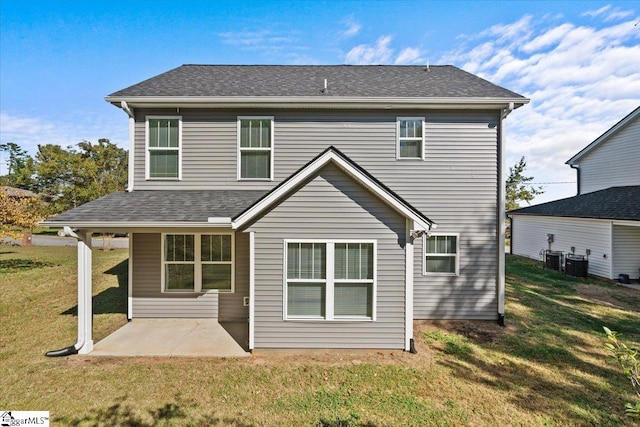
pixel 61 177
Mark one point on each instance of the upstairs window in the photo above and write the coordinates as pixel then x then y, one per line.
pixel 410 138
pixel 441 254
pixel 255 148
pixel 163 156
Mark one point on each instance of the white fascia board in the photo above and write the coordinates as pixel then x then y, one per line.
pixel 347 168
pixel 626 223
pixel 218 222
pixel 334 102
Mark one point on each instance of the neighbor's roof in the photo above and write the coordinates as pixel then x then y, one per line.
pixel 616 203
pixel 605 136
pixel 16 192
pixel 160 207
pixel 293 81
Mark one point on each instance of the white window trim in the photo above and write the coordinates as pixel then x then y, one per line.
pixel 422 156
pixel 239 149
pixel 147 171
pixel 198 263
pixel 330 281
pixel 424 255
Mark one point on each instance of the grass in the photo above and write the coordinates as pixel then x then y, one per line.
pixel 45 231
pixel 548 367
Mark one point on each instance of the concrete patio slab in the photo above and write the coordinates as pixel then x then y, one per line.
pixel 172 338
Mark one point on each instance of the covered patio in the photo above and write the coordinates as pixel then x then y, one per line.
pixel 175 338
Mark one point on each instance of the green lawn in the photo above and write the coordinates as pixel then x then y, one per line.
pixel 548 367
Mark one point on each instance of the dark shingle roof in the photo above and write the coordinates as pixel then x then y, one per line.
pixel 161 206
pixel 442 81
pixel 620 203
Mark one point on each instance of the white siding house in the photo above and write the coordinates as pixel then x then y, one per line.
pixel 603 220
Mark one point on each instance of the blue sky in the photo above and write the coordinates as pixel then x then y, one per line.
pixel 579 62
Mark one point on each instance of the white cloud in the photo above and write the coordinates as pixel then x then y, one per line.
pixel 581 79
pixel 382 53
pixel 597 12
pixel 609 14
pixel 352 29
pixel 366 54
pixel 29 132
pixel 409 55
pixel 510 32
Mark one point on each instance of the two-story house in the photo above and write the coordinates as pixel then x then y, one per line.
pixel 323 206
pixel 603 221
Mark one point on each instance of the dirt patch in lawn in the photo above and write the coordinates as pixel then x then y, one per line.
pixel 617 296
pixel 477 331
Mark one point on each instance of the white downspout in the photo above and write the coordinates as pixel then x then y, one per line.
pixel 84 344
pixel 502 215
pixel 252 289
pixel 132 130
pixel 408 280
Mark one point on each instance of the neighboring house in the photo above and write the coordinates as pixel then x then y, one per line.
pixel 304 200
pixel 604 218
pixel 16 193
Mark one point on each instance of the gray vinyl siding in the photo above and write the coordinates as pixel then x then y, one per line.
pixel 330 206
pixel 614 163
pixel 455 186
pixel 626 251
pixel 529 238
pixel 149 301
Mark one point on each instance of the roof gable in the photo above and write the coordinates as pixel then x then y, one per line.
pixel 332 155
pixel 628 119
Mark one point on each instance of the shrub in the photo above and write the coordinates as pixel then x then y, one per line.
pixel 628 360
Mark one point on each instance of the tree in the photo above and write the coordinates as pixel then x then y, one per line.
pixel 518 186
pixel 76 176
pixel 20 167
pixel 18 213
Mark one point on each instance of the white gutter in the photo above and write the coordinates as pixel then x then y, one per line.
pixel 132 129
pixel 502 216
pixel 318 102
pixel 222 222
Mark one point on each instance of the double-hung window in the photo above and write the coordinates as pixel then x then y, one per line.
pixel 255 148
pixel 330 280
pixel 164 142
pixel 441 254
pixel 353 286
pixel 197 262
pixel 410 138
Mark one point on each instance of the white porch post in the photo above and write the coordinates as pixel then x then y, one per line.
pixel 85 310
